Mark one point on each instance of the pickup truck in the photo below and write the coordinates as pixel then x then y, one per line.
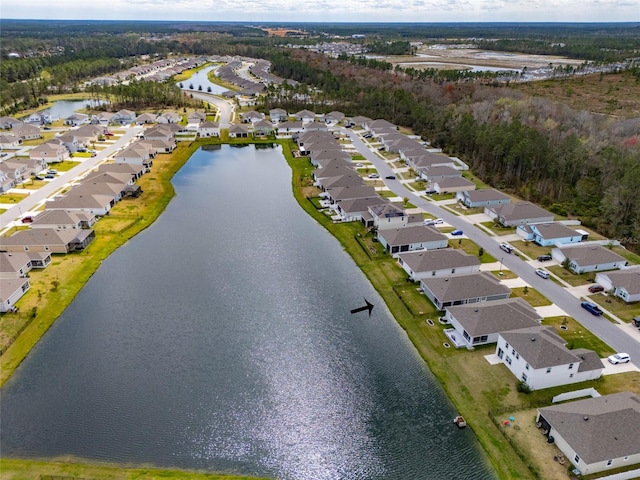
pixel 592 308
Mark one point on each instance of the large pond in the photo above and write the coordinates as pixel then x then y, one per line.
pixel 221 338
pixel 199 81
pixel 65 108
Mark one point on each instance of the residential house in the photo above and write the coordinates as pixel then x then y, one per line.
pixel 136 154
pixel 438 263
pixel 305 116
pixel 15 171
pixel 71 142
pixel 14 265
pixel 290 128
pixel 332 118
pixel 7 177
pixel 39 259
pixel 450 185
pixel 161 132
pixel 357 121
pixel 388 216
pixel 252 116
pixel 26 132
pixel 146 118
pixel 480 324
pixel 169 117
pixel 438 172
pixel 519 213
pixel 88 133
pixel 238 131
pixel 63 220
pixel 588 258
pixel 33 166
pixel 461 289
pixel 548 234
pixel 12 290
pixel 314 127
pixel 595 434
pixel 159 146
pixel 77 119
pixel 209 129
pixel 538 357
pixel 124 117
pixel 136 171
pixel 482 198
pixel 277 115
pixel 624 284
pixel 340 181
pixel 48 240
pixel 263 127
pixel 357 209
pixel 339 194
pixel 10 141
pixel 411 238
pixel 95 204
pixel 377 127
pixel 103 118
pixel 7 123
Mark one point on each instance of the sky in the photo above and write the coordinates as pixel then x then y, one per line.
pixel 256 11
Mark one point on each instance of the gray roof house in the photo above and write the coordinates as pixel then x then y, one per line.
pixel 332 118
pixel 63 220
pixel 596 434
pixel 12 290
pixel 450 185
pixel 339 194
pixel 14 265
pixel 588 258
pixel 277 115
pixel 438 263
pixel 357 209
pixel 419 237
pixel 538 357
pixel 438 172
pixel 513 214
pixel 550 234
pixel 482 198
pixel 388 215
pixel 305 116
pixel 480 324
pixel 238 131
pixel 48 240
pixel 462 289
pixel 625 283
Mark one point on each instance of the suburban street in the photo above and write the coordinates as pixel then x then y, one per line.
pixel 48 189
pixel 622 338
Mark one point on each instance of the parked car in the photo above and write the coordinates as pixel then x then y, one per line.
pixel 49 176
pixel 506 247
pixel 39 177
pixel 619 358
pixel 542 273
pixel 108 134
pixel 373 175
pixel 359 164
pixel 457 232
pixel 390 177
pixel 430 191
pixel 592 308
pixel 27 219
pixel 52 171
pixel 82 150
pixel 596 288
pixel 367 135
pixel 544 258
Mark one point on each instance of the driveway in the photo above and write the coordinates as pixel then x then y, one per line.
pixel 617 338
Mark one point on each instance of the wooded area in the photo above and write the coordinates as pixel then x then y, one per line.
pixel 570 160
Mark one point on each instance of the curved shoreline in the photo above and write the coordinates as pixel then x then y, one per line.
pixel 487 433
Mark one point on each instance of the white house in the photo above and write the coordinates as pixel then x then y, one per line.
pixel 305 116
pixel 438 263
pixel 624 284
pixel 588 258
pixel 480 324
pixel 209 129
pixel 519 213
pixel 12 290
pixel 539 358
pixel 482 198
pixel 49 152
pixel 388 216
pixel 461 289
pixel 549 234
pixel 595 434
pixel 277 115
pixel 407 239
pixel 14 265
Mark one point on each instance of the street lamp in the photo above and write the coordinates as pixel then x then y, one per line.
pixel 500 272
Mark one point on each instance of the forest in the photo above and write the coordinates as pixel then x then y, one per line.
pixel 575 162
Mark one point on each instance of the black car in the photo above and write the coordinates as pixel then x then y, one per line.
pixel 544 258
pixel 390 177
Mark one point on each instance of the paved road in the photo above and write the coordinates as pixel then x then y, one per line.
pixel 64 178
pixel 620 338
pixel 226 108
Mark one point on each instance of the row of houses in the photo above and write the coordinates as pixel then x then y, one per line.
pixel 64 226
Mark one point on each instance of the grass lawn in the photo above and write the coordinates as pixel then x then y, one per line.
pixel 497 229
pixel 531 296
pixel 65 165
pixel 472 248
pixel 12 197
pixel 577 336
pixel 530 249
pixel 573 279
pixel 443 196
pixel 624 311
pixel 73 468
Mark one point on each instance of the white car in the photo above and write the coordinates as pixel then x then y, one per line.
pixel 374 175
pixel 542 273
pixel 506 247
pixel 619 358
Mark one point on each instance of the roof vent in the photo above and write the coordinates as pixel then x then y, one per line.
pixel 585 418
pixel 476 310
pixel 533 339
